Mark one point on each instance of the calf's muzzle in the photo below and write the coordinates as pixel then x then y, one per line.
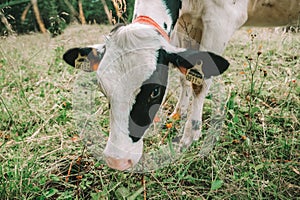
pixel 119 164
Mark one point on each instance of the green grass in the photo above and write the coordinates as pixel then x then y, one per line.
pixel 256 157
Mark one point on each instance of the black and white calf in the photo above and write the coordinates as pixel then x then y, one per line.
pixel 133 71
pixel 133 74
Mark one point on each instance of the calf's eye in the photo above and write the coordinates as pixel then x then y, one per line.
pixel 155 93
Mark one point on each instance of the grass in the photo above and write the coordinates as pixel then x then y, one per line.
pixel 256 157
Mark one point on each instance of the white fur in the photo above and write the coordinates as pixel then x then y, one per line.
pixel 156 9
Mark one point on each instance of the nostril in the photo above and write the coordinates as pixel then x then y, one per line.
pixel 130 162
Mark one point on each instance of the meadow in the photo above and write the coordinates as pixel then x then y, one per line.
pixel 257 155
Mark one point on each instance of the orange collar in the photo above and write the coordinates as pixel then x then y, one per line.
pixel 148 20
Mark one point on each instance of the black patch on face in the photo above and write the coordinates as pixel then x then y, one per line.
pixel 173 7
pixel 149 99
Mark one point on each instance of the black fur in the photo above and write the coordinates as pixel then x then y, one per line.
pixel 145 106
pixel 173 7
pixel 71 55
pixel 213 65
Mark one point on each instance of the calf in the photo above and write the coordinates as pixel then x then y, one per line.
pixel 133 71
pixel 209 25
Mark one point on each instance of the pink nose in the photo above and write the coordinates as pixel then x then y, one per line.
pixel 119 164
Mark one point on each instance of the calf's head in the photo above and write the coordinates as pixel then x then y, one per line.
pixel 133 74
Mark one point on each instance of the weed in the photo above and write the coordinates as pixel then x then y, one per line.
pixel 42 156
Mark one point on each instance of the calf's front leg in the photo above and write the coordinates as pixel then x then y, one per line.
pixel 193 125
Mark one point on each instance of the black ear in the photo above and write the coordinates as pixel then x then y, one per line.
pixel 212 64
pixel 72 54
pixel 87 59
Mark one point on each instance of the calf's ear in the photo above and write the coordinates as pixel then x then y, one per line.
pixel 207 64
pixel 86 59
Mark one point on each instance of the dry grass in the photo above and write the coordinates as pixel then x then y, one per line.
pixel 257 156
